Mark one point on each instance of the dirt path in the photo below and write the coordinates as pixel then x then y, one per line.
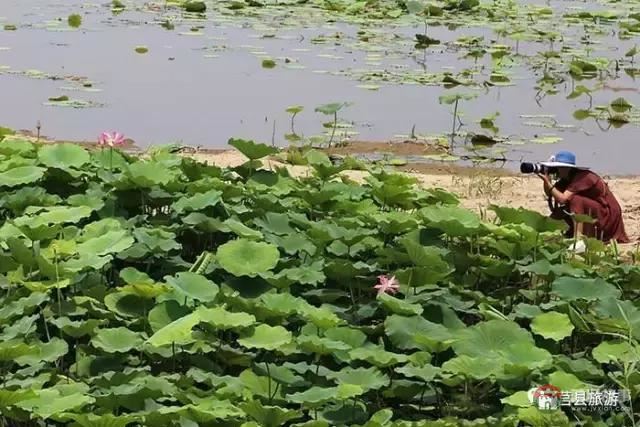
pixel 478 187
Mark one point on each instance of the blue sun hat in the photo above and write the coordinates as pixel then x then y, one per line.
pixel 563 159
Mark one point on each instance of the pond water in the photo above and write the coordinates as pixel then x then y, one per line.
pixel 203 87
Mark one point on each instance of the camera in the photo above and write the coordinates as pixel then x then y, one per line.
pixel 526 167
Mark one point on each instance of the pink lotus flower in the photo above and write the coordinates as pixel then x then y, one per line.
pixel 111 139
pixel 386 285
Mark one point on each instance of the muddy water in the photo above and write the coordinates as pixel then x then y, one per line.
pixel 203 88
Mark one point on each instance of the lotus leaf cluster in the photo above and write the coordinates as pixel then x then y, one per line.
pixel 158 290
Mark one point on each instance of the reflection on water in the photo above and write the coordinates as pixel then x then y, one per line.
pixel 203 87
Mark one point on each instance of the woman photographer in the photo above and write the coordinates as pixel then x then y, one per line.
pixel 583 192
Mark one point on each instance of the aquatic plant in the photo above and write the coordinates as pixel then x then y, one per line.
pixel 169 292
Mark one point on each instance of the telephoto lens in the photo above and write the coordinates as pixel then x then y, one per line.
pixel 526 167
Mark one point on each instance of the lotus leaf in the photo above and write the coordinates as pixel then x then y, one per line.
pixel 21 175
pixel 246 258
pixel 501 340
pixel 314 396
pixel 110 243
pixel 63 156
pixel 53 215
pixel 116 340
pixel 252 150
pixel 453 220
pixel 566 381
pixel 148 174
pixel 266 337
pixel 222 319
pixel 552 325
pixel 194 286
pixel 50 402
pixel 616 351
pixel 197 202
pixel 572 289
pixel 398 306
pixel 365 378
pixel 320 345
pixel 269 416
pixel 178 331
pixel 425 373
pixel 44 352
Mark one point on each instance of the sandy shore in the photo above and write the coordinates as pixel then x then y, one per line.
pixel 477 188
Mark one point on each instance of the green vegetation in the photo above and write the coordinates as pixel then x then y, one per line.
pixel 160 291
pixel 74 20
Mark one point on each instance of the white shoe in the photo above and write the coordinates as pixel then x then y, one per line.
pixel 578 247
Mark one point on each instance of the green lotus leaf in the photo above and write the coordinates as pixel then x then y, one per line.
pixel 533 219
pixel 242 230
pixel 349 391
pixel 178 331
pixel 366 378
pixel 616 351
pixel 519 399
pixel 566 381
pixel 148 174
pixel 417 333
pixel 252 150
pixel 116 340
pixel 20 199
pixel 536 417
pixel 276 223
pixel 166 312
pixel 20 328
pixel 398 306
pixel 478 368
pixel 51 402
pixel 194 286
pixel 49 351
pixel 222 319
pixel 322 317
pixel 552 325
pixel 77 328
pixel 307 274
pixel 106 420
pixel 377 356
pixel 110 243
pixel 503 342
pixel 269 416
pixel 426 373
pixel 452 220
pixel 314 396
pixel 21 175
pixel 572 289
pixel 63 156
pixel 54 215
pixel 266 337
pixel 11 398
pixel 281 304
pixel 126 304
pixel 320 345
pixel 246 258
pixel 16 145
pixel 21 306
pixel 353 337
pixel 197 202
pixel 11 350
pixel 205 411
pixel 331 108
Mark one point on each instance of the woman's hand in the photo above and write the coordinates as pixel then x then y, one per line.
pixel 545 178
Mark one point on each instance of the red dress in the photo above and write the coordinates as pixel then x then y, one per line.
pixel 591 196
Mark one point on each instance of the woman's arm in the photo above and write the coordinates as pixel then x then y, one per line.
pixel 560 196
